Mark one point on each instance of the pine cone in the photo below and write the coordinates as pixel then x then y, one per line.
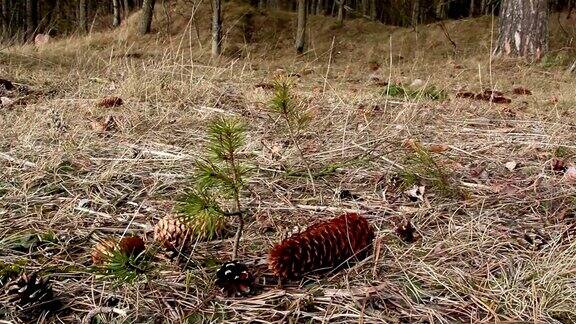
pixel 172 233
pixel 322 246
pixel 30 289
pixel 110 102
pixel 103 251
pixel 234 279
pixel 130 245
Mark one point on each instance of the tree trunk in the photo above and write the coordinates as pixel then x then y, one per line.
pixel 471 13
pixel 523 29
pixel 4 17
pixel 31 19
pixel 441 10
pixel 373 9
pixel 341 5
pixel 261 4
pixel 320 7
pixel 365 7
pixel 415 12
pixel 116 13
pixel 301 31
pixel 83 15
pixel 146 19
pixel 126 9
pixel 216 27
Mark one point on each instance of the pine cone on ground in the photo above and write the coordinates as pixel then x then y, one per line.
pixel 110 102
pixel 172 233
pixel 30 289
pixel 129 245
pixel 324 245
pixel 234 279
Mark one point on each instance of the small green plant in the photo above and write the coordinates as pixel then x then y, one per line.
pixel 283 104
pixel 422 166
pixel 220 174
pixel 126 268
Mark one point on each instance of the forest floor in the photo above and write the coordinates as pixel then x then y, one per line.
pixel 495 228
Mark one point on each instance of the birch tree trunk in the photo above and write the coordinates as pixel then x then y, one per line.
pixel 216 27
pixel 301 31
pixel 472 9
pixel 146 19
pixel 523 29
pixel 341 5
pixel 116 13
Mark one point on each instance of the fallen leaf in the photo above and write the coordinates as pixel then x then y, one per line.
pixel 265 86
pixel 6 102
pixel 438 148
pixel 518 90
pixel 570 174
pixel 558 165
pixel 511 165
pixel 415 193
pixel 110 102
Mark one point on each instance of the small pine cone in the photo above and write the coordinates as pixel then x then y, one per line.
pixel 234 279
pixel 172 233
pixel 110 102
pixel 103 251
pixel 129 245
pixel 324 245
pixel 30 289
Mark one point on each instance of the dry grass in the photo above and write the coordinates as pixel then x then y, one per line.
pixel 503 251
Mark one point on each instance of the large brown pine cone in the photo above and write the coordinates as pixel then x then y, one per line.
pixel 172 233
pixel 30 289
pixel 322 246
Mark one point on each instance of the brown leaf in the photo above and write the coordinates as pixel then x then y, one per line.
pixel 518 90
pixel 558 165
pixel 438 148
pixel 265 86
pixel 110 102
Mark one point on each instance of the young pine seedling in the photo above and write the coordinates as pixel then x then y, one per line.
pixel 283 104
pixel 221 173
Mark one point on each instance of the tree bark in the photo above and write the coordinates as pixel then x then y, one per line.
pixel 341 5
pixel 216 27
pixel 365 7
pixel 472 9
pixel 126 8
pixel 83 15
pixel 116 13
pixel 373 9
pixel 523 29
pixel 146 19
pixel 261 4
pixel 415 12
pixel 301 30
pixel 31 19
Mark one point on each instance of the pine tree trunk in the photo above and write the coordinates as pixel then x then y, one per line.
pixel 365 7
pixel 4 17
pixel 341 5
pixel 471 13
pixel 415 12
pixel 261 4
pixel 373 9
pixel 216 27
pixel 146 19
pixel 31 19
pixel 301 31
pixel 319 7
pixel 523 28
pixel 126 9
pixel 441 10
pixel 116 13
pixel 83 15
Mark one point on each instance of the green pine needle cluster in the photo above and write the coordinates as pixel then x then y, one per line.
pixel 202 215
pixel 284 104
pixel 220 174
pixel 126 268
